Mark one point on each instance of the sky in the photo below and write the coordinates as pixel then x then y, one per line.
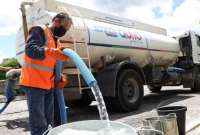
pixel 174 15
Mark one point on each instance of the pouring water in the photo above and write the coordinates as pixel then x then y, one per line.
pixel 101 104
pixel 90 80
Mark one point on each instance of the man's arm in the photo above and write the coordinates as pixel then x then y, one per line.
pixel 35 43
pixel 35 46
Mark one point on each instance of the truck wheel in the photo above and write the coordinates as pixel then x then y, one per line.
pixel 154 89
pixel 129 92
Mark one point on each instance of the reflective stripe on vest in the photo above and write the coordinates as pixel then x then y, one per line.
pixel 34 66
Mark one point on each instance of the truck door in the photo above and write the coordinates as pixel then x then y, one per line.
pixel 195 39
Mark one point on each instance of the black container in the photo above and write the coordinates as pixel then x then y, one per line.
pixel 180 112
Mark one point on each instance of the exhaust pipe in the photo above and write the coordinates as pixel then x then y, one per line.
pixel 24 20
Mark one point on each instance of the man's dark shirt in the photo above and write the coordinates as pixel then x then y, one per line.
pixel 35 43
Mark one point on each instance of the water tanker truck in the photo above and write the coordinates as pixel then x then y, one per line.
pixel 124 55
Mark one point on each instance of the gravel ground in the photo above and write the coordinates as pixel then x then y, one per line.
pixel 14 120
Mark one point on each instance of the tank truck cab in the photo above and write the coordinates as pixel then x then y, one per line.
pixel 190 45
pixel 185 71
pixel 189 59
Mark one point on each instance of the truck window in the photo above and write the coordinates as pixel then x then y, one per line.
pixel 186 46
pixel 198 40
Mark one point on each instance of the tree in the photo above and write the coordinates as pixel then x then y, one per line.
pixel 10 62
pixel 2 75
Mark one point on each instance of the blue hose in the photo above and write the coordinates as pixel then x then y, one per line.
pixel 8 91
pixel 10 84
pixel 59 95
pixel 87 75
pixel 85 72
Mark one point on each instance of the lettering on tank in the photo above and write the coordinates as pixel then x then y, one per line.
pixel 133 36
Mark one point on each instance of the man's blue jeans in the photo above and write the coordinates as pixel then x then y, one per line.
pixel 40 105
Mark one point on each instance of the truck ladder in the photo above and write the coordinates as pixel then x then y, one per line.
pixel 85 58
pixel 85 46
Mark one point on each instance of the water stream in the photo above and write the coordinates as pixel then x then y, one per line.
pixel 101 104
pixel 90 80
pixel 108 129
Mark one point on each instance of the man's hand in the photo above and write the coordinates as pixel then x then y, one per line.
pixel 63 46
pixel 56 53
pixel 63 82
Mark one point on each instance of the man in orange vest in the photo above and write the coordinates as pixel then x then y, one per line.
pixel 37 75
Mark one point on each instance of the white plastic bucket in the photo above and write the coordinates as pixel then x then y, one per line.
pixel 93 127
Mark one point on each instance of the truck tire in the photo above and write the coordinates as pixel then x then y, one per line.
pixel 129 91
pixel 155 89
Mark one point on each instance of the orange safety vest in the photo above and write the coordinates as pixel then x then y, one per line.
pixel 39 73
